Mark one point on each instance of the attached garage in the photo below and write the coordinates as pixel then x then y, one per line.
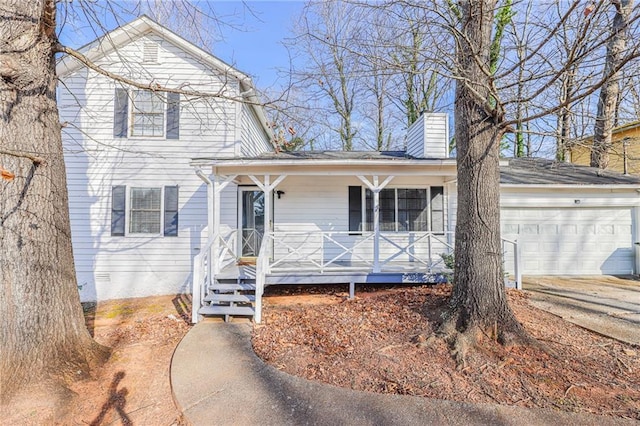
pixel 570 220
pixel 572 240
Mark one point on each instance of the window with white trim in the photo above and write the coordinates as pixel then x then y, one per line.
pixel 147 114
pixel 145 214
pixel 144 210
pixel 144 113
pixel 401 209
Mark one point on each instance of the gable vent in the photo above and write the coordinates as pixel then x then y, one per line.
pixel 150 53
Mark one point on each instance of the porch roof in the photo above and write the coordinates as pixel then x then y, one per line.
pixel 514 172
pixel 395 163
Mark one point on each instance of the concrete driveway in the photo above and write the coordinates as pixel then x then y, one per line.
pixel 605 304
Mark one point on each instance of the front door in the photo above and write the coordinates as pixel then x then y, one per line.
pixel 252 221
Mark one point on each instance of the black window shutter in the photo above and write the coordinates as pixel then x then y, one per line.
pixel 120 111
pixel 118 210
pixel 355 209
pixel 171 211
pixel 173 115
pixel 437 209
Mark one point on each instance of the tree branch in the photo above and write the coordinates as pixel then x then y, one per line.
pixel 34 158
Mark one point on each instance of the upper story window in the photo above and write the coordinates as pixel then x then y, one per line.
pixel 147 114
pixel 144 113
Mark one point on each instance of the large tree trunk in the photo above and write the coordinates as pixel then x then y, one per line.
pixel 43 337
pixel 608 100
pixel 478 304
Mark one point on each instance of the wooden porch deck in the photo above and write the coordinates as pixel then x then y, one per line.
pixel 343 272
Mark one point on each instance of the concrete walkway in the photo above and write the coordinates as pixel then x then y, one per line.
pixel 218 380
pixel 604 304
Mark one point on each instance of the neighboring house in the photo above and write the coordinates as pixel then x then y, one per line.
pixel 137 208
pixel 169 193
pixel 625 142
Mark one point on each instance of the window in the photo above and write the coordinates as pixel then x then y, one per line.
pixel 151 211
pixel 401 210
pixel 147 114
pixel 143 113
pixel 145 213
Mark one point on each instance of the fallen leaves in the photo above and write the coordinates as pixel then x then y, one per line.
pixel 385 342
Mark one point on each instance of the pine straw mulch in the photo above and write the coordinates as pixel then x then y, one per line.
pixel 377 343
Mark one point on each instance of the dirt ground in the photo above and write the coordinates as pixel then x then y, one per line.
pixel 376 342
pixel 133 387
pixel 379 342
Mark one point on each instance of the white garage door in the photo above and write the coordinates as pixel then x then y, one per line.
pixel 571 240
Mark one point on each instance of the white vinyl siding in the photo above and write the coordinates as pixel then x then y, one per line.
pixel 254 139
pixel 110 267
pixel 428 136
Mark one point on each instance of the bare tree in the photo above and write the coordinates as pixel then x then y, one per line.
pixel 44 339
pixel 608 101
pixel 331 74
pixel 483 114
pixel 478 303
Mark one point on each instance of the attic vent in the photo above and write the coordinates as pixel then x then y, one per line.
pixel 150 54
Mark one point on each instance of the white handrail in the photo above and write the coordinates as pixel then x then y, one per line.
pixel 204 267
pixel 262 269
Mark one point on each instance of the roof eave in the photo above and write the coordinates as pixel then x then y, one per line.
pixel 571 185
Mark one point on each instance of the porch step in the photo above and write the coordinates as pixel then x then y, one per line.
pixel 228 297
pixel 226 310
pixel 233 287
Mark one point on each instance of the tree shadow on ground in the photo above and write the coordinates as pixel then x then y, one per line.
pixel 115 400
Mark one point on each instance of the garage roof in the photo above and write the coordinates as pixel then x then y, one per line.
pixel 541 171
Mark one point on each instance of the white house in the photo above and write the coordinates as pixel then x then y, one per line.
pixel 170 193
pixel 137 208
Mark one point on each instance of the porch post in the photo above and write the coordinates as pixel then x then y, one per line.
pixel 268 190
pixel 376 225
pixel 375 188
pixel 215 226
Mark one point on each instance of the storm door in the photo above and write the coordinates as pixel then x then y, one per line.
pixel 252 221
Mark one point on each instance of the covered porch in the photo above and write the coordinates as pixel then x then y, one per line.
pixel 304 218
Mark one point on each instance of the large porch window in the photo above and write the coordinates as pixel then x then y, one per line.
pixel 401 209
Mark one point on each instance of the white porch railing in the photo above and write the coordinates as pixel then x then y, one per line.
pixel 219 252
pixel 323 251
pixel 251 241
pixel 262 269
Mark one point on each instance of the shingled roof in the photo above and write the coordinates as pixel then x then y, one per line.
pixel 336 155
pixel 541 171
pixel 514 171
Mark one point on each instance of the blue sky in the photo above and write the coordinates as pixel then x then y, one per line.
pixel 258 51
